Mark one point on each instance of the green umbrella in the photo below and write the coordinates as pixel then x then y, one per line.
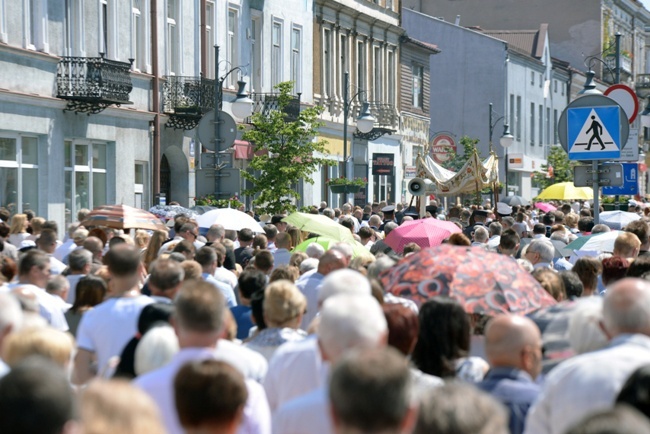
pixel 319 224
pixel 581 241
pixel 357 248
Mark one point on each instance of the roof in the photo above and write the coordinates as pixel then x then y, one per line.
pixel 527 42
pixel 427 46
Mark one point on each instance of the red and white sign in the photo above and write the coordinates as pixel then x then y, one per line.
pixel 626 98
pixel 443 147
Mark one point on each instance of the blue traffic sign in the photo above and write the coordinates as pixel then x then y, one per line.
pixel 630 181
pixel 594 133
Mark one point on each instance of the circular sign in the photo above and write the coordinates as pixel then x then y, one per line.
pixel 626 98
pixel 443 147
pixel 227 131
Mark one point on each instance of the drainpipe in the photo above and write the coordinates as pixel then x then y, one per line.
pixel 155 164
pixel 204 38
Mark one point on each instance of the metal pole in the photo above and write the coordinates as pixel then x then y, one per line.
pixel 507 172
pixel 346 109
pixel 490 124
pixel 217 121
pixel 617 80
pixel 594 166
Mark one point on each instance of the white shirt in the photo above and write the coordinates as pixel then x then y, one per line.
pixel 296 368
pixel 49 307
pixel 308 413
pixel 64 249
pixel 310 287
pixel 56 266
pixel 226 276
pixel 106 329
pixel 251 364
pixel 269 339
pixel 281 257
pixel 159 385
pixel 586 384
pixel 73 279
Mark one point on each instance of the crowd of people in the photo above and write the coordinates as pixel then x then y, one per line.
pixel 210 330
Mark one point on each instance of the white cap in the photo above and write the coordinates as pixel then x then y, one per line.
pixel 504 209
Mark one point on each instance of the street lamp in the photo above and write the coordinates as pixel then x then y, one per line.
pixel 242 107
pixel 365 121
pixel 505 141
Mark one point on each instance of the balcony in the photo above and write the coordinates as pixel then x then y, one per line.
pixel 90 84
pixel 626 68
pixel 387 120
pixel 265 103
pixel 186 100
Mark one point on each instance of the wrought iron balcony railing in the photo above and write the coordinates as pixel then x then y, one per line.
pixel 610 60
pixel 386 116
pixel 264 103
pixel 186 100
pixel 90 84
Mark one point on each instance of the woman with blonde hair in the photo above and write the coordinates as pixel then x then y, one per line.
pixel 142 239
pixel 283 308
pixel 116 406
pixel 18 229
pixel 37 226
pixel 155 243
pixel 46 342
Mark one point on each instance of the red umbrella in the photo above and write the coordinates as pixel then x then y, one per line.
pixel 122 217
pixel 546 207
pixel 485 282
pixel 425 233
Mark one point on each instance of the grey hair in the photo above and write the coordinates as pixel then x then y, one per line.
pixel 216 232
pixel 344 248
pixel 544 247
pixel 382 263
pixel 481 234
pixel 308 265
pixel 79 258
pixel 315 250
pixel 626 311
pixel 329 212
pixel 342 281
pixel 600 228
pixel 388 227
pixel 495 228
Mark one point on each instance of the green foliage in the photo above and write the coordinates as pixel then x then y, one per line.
pixel 342 180
pixel 562 168
pixel 211 200
pixel 291 154
pixel 459 160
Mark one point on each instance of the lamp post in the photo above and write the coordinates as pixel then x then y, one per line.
pixel 241 107
pixel 365 121
pixel 505 140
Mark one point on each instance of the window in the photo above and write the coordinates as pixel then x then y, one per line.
pixel 36 25
pixel 139 182
pixel 518 119
pixel 139 36
pixel 344 61
pixel 548 125
pixel 554 86
pixel 19 173
pixel 418 88
pixel 74 31
pixel 563 84
pixel 541 80
pixel 173 38
pixel 532 123
pixel 377 73
pixel 107 29
pixel 231 53
pixel 417 150
pixel 391 78
pixel 3 22
pixel 541 125
pixel 256 56
pixel 276 54
pixel 296 76
pixel 85 176
pixel 532 78
pixel 209 39
pixel 361 65
pixel 555 120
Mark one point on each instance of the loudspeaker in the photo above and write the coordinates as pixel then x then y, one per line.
pixel 420 186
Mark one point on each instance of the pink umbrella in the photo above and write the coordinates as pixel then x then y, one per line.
pixel 425 233
pixel 546 207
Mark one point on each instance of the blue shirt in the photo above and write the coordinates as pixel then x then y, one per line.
pixel 516 390
pixel 225 289
pixel 243 319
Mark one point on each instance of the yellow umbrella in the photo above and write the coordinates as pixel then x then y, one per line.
pixel 566 191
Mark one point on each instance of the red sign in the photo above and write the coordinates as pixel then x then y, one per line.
pixel 443 148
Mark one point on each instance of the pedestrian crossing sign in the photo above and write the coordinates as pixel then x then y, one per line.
pixel 594 133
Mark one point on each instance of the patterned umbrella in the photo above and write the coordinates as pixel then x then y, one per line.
pixel 169 212
pixel 485 282
pixel 425 233
pixel 123 217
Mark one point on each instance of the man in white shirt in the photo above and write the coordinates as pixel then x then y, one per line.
pixel 33 273
pixel 282 255
pixel 199 321
pixel 69 245
pixel 207 258
pixel 107 328
pixel 187 231
pixel 347 321
pixel 221 273
pixel 79 263
pixel 590 382
pixel 11 319
pixel 47 243
pixel 540 253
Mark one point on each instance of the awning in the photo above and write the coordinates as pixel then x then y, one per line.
pixel 244 150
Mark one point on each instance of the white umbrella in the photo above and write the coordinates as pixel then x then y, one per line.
pixel 601 243
pixel 230 219
pixel 618 219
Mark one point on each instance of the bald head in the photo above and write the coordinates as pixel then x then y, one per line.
pixel 626 308
pixel 332 260
pixel 514 342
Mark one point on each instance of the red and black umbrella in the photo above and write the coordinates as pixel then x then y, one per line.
pixel 484 282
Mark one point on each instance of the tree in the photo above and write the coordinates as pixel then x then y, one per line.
pixel 557 169
pixel 289 153
pixel 459 160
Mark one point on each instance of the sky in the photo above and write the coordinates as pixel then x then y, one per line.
pixel 646 3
